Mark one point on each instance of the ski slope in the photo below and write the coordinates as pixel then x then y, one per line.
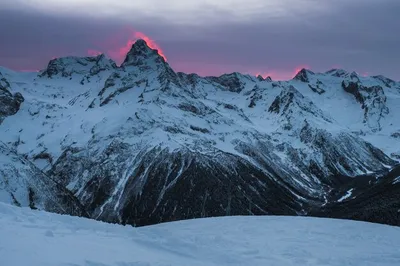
pixel 37 238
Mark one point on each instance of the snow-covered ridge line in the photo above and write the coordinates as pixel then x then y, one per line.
pixel 141 144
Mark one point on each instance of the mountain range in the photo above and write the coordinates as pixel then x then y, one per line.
pixel 142 144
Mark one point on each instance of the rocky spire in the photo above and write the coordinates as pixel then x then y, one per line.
pixel 303 75
pixel 141 55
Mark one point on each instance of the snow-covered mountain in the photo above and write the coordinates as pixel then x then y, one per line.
pixel 142 144
pixel 38 238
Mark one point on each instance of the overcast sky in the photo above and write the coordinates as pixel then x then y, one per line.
pixel 210 37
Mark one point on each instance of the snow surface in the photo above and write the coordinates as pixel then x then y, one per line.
pixel 37 238
pixel 347 195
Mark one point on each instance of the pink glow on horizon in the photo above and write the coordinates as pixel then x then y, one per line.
pixel 152 44
pixel 113 48
pixel 118 54
pixel 280 75
pixel 92 52
pixel 264 74
pixel 298 68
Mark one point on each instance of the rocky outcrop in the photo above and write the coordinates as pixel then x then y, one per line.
pixel 290 104
pixel 303 75
pixel 9 103
pixel 231 82
pixel 140 55
pixel 66 67
pixel 339 73
pixel 372 100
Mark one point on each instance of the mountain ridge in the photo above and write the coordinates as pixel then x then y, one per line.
pixel 141 144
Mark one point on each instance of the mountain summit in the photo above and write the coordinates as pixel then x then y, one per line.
pixel 141 54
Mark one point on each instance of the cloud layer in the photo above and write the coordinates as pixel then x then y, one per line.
pixel 267 37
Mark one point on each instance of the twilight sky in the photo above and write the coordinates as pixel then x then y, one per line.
pixel 209 37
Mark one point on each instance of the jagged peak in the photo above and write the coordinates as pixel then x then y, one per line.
pixel 232 81
pixel 231 75
pixel 354 76
pixel 141 54
pixel 66 60
pixel 303 75
pixel 261 78
pixel 68 65
pixel 338 72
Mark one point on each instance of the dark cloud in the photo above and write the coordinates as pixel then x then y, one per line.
pixel 355 35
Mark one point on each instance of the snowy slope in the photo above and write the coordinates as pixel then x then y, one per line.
pixel 42 239
pixel 379 98
pixel 142 144
pixel 23 184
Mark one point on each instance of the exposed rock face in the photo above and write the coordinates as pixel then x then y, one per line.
pixel 23 184
pixel 140 144
pixel 9 104
pixel 303 75
pixel 188 185
pixel 231 82
pixel 290 103
pixel 339 73
pixel 68 66
pixel 372 100
pixel 140 55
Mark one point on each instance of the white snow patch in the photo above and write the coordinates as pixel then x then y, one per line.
pixel 346 196
pixel 43 239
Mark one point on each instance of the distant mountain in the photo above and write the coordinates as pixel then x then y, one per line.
pixel 142 144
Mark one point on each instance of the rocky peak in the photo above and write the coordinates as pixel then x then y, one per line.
pixel 9 104
pixel 303 75
pixel 147 59
pixel 261 78
pixel 354 77
pixel 189 79
pixel 232 82
pixel 142 55
pixel 67 66
pixel 372 100
pixel 339 73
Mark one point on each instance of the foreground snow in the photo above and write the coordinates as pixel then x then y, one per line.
pixel 38 238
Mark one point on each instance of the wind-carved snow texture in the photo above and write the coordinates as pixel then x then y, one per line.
pixel 38 238
pixel 141 144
